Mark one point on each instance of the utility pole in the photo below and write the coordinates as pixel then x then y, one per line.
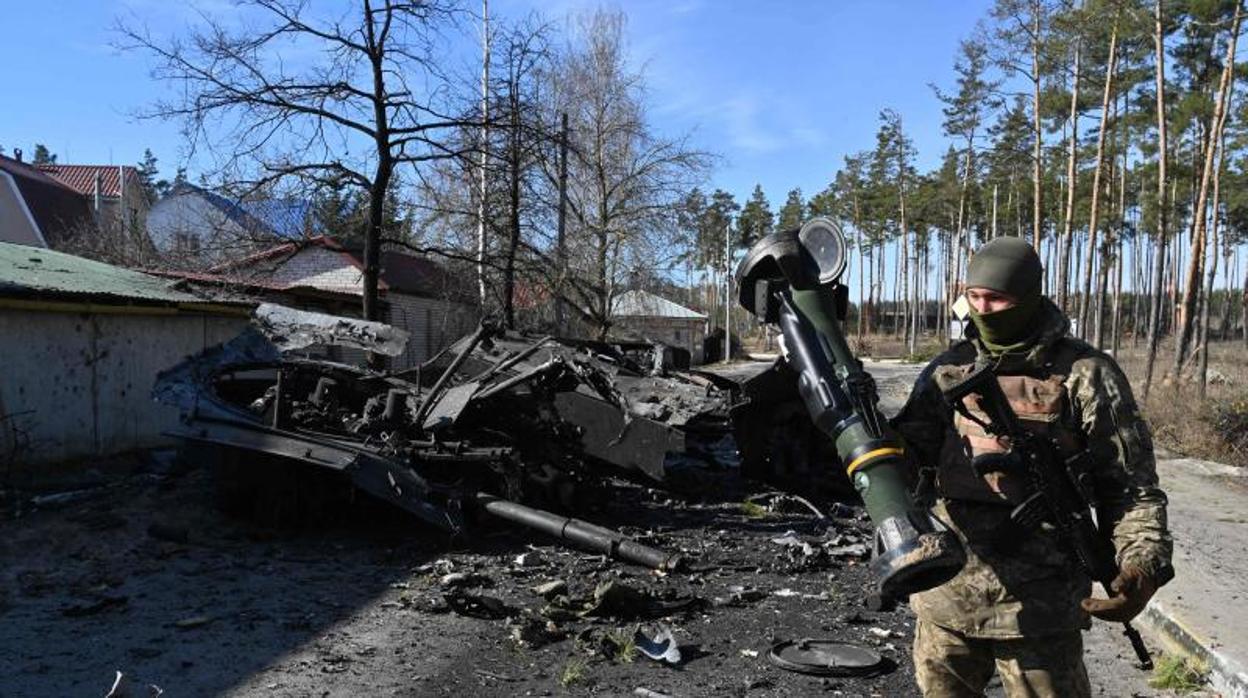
pixel 727 292
pixel 485 141
pixel 561 252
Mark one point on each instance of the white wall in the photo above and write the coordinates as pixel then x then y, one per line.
pixel 188 215
pixel 79 385
pixel 16 224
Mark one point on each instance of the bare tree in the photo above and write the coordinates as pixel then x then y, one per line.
pixel 625 184
pixel 368 98
pixel 525 54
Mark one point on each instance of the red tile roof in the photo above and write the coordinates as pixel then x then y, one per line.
pixel 82 177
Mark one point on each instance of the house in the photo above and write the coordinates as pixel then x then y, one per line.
pixel 113 192
pixel 657 319
pixel 36 209
pixel 417 294
pixel 194 221
pixel 82 343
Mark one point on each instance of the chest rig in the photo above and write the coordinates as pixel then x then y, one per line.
pixel 972 466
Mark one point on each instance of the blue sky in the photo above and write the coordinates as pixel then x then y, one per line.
pixel 783 90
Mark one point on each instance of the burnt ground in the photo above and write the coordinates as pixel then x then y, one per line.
pixel 148 578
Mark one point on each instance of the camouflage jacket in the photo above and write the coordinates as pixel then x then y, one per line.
pixel 1035 588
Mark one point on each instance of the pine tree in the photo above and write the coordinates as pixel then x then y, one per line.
pixel 965 112
pixel 1020 32
pixel 791 214
pixel 717 222
pixel 689 220
pixel 826 203
pixel 148 170
pixel 43 156
pixel 756 218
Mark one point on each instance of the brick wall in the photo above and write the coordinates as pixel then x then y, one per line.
pixel 319 268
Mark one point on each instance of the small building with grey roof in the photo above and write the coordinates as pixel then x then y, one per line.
pixel 656 319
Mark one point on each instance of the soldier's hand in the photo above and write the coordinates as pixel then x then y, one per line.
pixel 1132 589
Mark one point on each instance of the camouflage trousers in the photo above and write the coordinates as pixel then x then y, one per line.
pixel 948 664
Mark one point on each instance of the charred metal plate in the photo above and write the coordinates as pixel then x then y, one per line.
pixel 448 408
pixel 826 658
pixel 640 445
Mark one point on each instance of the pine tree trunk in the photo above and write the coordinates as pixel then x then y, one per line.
pixel 1224 317
pixel 1063 264
pixel 1085 302
pixel 1213 270
pixel 870 287
pixel 1038 130
pixel 1116 337
pixel 951 291
pixel 1196 264
pixel 1143 291
pixel 897 269
pixel 1243 305
pixel 906 270
pixel 1119 233
pixel 946 279
pixel 862 305
pixel 1204 311
pixel 1154 325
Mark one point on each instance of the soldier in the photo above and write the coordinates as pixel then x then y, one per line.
pixel 1020 608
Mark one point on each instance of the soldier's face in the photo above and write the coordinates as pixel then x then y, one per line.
pixel 986 300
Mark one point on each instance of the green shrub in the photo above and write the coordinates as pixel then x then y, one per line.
pixel 753 511
pixel 574 672
pixel 1179 674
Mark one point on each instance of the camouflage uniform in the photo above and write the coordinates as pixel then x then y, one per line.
pixel 1020 608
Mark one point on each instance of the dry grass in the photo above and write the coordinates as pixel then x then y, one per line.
pixel 1181 420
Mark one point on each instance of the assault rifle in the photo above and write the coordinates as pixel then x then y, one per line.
pixel 1061 492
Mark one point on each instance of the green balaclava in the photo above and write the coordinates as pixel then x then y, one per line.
pixel 1008 265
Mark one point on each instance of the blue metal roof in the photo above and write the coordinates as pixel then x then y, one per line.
pixel 287 218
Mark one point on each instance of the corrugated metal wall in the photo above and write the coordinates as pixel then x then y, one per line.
pixel 432 323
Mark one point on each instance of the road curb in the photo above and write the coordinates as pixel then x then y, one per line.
pixel 1226 675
